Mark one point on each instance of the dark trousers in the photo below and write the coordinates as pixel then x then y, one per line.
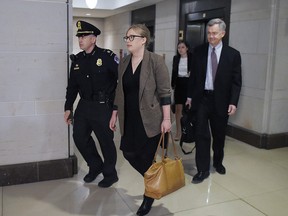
pixel 206 116
pixel 96 118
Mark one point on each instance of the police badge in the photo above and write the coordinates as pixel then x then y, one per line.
pixel 99 62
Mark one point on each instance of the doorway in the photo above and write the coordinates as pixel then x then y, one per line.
pixel 146 16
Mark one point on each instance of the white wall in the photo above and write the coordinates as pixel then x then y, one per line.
pixel 166 31
pixel 33 77
pixel 258 30
pixel 115 29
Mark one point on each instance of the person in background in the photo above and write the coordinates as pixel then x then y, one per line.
pixel 143 98
pixel 93 75
pixel 213 91
pixel 181 69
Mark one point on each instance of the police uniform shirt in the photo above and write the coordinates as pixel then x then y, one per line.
pixel 92 73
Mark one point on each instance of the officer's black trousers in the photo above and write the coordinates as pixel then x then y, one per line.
pixel 92 116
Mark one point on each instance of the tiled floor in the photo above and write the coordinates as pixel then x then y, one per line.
pixel 256 184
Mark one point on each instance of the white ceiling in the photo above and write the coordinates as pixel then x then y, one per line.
pixel 106 8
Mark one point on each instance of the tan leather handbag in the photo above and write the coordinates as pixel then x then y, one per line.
pixel 165 176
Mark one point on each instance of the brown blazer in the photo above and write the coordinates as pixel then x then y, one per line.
pixel 154 91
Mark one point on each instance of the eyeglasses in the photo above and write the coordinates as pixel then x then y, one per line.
pixel 131 37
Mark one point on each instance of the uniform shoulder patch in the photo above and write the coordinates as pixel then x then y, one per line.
pixel 116 59
pixel 112 54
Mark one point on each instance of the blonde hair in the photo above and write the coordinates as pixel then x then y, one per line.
pixel 142 30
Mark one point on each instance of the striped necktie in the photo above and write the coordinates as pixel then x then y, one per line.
pixel 214 63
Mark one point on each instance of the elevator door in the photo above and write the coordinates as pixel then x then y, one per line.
pixel 195 24
pixel 195 33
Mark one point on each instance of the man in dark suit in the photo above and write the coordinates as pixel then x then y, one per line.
pixel 213 92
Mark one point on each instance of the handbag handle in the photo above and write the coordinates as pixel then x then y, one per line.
pixel 174 146
pixel 161 142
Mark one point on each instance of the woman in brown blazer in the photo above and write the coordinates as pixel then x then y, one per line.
pixel 143 98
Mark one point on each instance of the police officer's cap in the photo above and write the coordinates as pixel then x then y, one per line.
pixel 85 28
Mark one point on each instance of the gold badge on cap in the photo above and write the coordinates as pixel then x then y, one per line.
pixel 79 25
pixel 99 62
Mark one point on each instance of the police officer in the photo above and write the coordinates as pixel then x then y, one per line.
pixel 93 75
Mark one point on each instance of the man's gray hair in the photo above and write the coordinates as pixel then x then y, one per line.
pixel 218 21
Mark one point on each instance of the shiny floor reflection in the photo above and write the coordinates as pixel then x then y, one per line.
pixel 256 184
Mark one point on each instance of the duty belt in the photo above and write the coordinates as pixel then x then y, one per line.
pixel 97 98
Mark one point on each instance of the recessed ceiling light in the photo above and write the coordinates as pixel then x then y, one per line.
pixel 91 3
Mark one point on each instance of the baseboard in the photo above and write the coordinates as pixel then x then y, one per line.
pixel 264 141
pixel 38 171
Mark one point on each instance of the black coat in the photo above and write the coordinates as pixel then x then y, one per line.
pixel 90 74
pixel 228 80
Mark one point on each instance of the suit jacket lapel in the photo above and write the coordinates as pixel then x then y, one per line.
pixel 144 74
pixel 223 55
pixel 204 60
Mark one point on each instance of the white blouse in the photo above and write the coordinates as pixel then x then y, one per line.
pixel 183 68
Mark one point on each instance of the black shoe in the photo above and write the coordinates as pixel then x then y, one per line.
pixel 200 176
pixel 145 206
pixel 220 169
pixel 92 175
pixel 107 181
